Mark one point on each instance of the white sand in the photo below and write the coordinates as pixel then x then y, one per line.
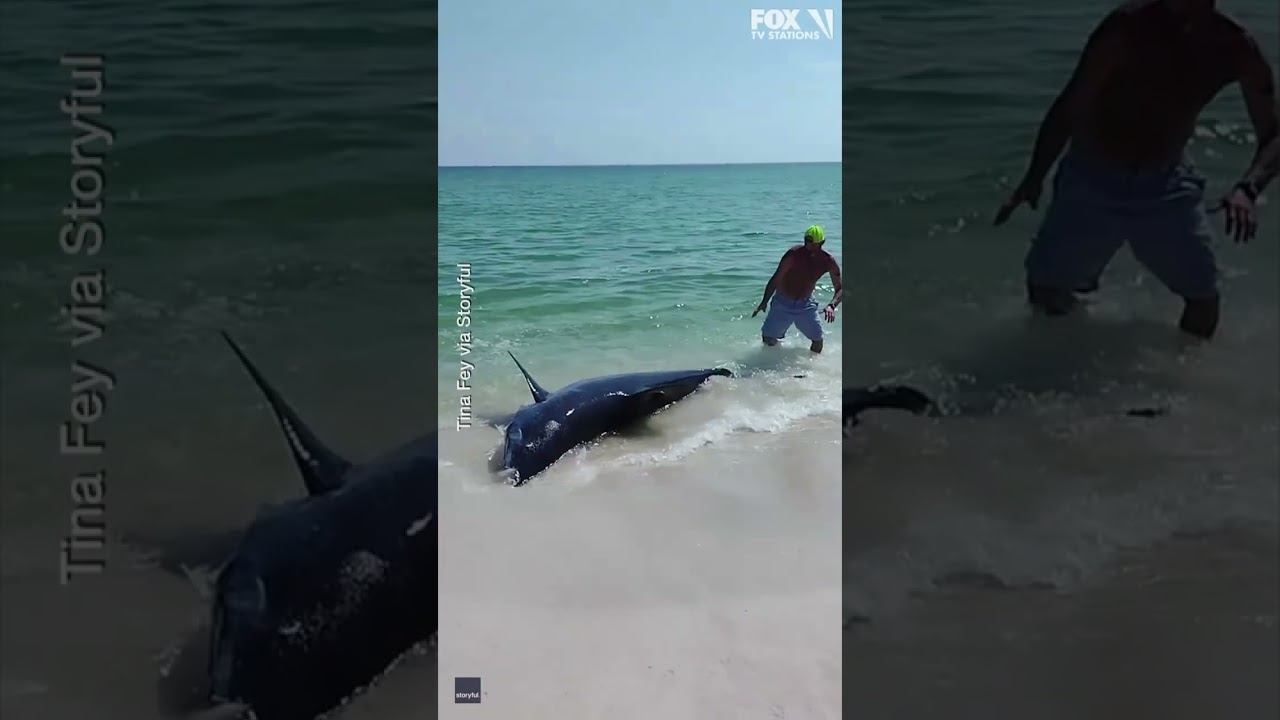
pixel 707 588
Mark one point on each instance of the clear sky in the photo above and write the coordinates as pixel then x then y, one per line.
pixel 605 82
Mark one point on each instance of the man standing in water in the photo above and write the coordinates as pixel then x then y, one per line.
pixel 1146 73
pixel 797 275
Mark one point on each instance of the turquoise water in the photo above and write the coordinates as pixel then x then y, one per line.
pixel 593 270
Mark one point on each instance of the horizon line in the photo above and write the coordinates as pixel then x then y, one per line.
pixel 623 165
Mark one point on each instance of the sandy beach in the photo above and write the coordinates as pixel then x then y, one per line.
pixel 707 589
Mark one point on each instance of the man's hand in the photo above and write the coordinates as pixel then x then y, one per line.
pixel 760 309
pixel 1028 191
pixel 1240 216
pixel 829 312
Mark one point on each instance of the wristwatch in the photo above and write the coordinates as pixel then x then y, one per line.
pixel 1249 188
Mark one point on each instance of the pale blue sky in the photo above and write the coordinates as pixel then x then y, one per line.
pixel 603 82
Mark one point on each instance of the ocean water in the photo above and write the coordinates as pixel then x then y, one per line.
pixel 267 177
pixel 1040 477
pixel 598 269
pixel 706 547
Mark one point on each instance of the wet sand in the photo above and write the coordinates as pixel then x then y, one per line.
pixel 1186 630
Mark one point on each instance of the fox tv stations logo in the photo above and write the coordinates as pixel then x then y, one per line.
pixel 782 24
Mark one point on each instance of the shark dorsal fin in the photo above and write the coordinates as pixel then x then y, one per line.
pixel 322 469
pixel 538 393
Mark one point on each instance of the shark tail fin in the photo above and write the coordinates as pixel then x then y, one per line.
pixel 322 469
pixel 539 394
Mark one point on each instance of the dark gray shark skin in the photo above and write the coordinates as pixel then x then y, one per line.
pixel 540 433
pixel 903 397
pixel 894 397
pixel 324 593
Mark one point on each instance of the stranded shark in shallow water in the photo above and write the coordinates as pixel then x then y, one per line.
pixel 324 593
pixel 540 433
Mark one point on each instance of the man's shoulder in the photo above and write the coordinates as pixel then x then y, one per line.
pixel 1235 46
pixel 1133 9
pixel 1120 23
pixel 1137 14
pixel 1230 29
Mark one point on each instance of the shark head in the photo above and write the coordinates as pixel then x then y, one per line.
pixel 366 534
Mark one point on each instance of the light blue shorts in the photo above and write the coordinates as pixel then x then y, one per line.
pixel 785 312
pixel 1096 207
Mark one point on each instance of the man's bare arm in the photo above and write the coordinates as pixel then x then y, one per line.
pixel 1265 166
pixel 835 282
pixel 772 285
pixel 1060 122
pixel 1257 83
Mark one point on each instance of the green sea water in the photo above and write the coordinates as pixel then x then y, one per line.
pixel 265 175
pixel 587 271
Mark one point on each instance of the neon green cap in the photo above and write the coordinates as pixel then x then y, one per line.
pixel 816 234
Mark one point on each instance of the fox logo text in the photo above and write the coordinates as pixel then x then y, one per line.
pixel 779 24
